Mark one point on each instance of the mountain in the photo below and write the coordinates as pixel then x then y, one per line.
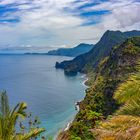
pixel 111 107
pixel 102 49
pixel 80 49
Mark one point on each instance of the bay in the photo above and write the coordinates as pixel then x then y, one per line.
pixel 49 93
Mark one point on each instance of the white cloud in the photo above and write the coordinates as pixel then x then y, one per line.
pixel 48 22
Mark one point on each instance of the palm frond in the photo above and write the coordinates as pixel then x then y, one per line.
pixel 33 133
pixel 129 89
pixel 4 104
pixel 132 107
pixel 9 118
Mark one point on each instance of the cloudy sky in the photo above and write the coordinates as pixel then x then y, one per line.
pixel 64 22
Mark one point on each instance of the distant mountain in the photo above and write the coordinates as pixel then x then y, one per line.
pixel 80 49
pixel 102 49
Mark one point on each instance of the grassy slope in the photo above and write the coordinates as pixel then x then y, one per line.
pixel 99 102
pixel 125 124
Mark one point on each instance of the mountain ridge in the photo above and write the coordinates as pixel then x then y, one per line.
pixel 102 49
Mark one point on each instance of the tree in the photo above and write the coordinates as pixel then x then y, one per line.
pixel 9 119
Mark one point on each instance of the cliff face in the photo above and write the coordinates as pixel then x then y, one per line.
pixel 99 102
pixel 102 49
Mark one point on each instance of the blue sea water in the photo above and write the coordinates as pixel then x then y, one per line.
pixel 49 93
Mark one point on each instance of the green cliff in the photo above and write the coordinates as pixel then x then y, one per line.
pixel 114 90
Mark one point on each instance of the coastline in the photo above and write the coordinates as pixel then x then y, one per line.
pixel 67 126
pixel 76 104
pixel 84 82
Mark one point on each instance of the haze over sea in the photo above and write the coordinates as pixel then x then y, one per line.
pixel 48 92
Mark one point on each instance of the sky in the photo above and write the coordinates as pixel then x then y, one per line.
pixel 63 23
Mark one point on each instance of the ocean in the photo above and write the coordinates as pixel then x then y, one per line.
pixel 49 93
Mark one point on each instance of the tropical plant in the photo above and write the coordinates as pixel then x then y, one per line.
pixel 128 90
pixel 132 107
pixel 128 94
pixel 9 119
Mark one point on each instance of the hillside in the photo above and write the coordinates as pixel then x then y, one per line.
pixel 80 49
pixel 114 89
pixel 125 124
pixel 102 49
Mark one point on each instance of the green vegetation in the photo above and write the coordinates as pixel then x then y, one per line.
pixel 128 94
pixel 11 118
pixel 125 125
pixel 115 89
